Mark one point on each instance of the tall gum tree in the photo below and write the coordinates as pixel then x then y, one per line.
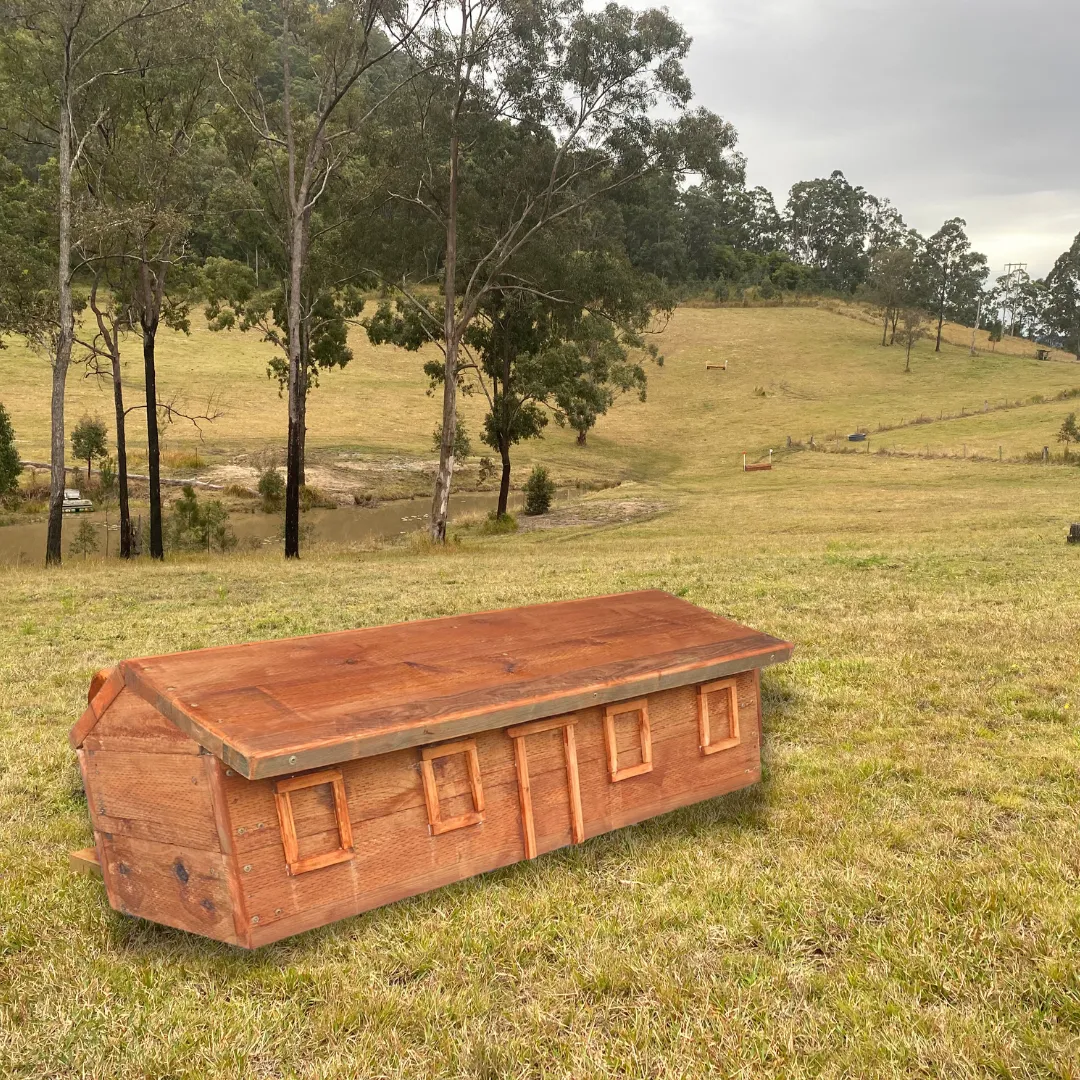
pixel 1063 296
pixel 147 169
pixel 553 104
pixel 306 79
pixel 55 55
pixel 954 274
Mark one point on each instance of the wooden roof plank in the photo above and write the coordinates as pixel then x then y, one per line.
pixel 268 708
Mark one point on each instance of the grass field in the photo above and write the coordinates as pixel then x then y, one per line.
pixel 792 371
pixel 897 898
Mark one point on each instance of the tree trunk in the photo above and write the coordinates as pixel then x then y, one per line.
pixel 64 338
pixel 885 328
pixel 504 486
pixel 582 435
pixel 305 386
pixel 153 446
pixel 440 503
pixel 895 320
pixel 121 457
pixel 297 198
pixel 941 318
pixel 907 366
pixel 295 452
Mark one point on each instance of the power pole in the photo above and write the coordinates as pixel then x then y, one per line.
pixel 1012 270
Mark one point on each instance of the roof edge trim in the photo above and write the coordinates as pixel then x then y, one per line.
pixel 104 689
pixel 257 768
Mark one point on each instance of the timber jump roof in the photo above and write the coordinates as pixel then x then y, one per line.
pixel 276 707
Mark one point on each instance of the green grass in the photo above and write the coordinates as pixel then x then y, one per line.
pixel 897 898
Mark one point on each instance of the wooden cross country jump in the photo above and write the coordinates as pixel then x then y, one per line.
pixel 760 466
pixel 251 792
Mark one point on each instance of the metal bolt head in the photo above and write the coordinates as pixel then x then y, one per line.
pixel 292 760
pixel 228 772
pixel 241 831
pixel 277 911
pixel 261 825
pixel 247 869
pixel 254 919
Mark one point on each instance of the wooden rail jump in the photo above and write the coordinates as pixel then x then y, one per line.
pixel 761 466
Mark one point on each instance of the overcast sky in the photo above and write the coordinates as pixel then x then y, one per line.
pixel 966 108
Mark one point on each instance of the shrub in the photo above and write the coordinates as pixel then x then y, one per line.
pixel 107 481
pixel 9 457
pixel 311 498
pixel 85 541
pixel 487 469
pixel 539 491
pixel 496 524
pixel 195 526
pixel 272 490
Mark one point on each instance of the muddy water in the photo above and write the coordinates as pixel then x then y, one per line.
pixel 25 543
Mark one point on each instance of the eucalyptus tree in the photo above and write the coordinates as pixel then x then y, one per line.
pixel 27 258
pixel 305 80
pixel 954 274
pixel 145 170
pixel 528 112
pixel 329 303
pixel 896 283
pixel 113 320
pixel 56 57
pixel 828 222
pixel 1063 296
pixel 562 351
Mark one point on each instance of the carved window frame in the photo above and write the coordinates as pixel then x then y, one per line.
pixel 705 732
pixel 621 708
pixel 436 825
pixel 283 789
pixel 519 733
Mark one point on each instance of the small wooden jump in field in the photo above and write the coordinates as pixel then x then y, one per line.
pixel 716 367
pixel 251 792
pixel 758 466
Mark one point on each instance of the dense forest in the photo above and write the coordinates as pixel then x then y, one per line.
pixel 525 185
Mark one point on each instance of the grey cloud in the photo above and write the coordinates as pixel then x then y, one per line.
pixel 947 107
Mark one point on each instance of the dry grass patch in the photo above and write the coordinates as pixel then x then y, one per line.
pixel 898 897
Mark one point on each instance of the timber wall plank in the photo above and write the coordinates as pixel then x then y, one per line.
pixel 182 887
pixel 132 724
pixel 161 797
pixel 395 854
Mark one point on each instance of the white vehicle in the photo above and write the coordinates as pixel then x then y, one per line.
pixel 74 503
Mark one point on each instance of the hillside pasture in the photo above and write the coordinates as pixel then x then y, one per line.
pixel 897 898
pixel 795 371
